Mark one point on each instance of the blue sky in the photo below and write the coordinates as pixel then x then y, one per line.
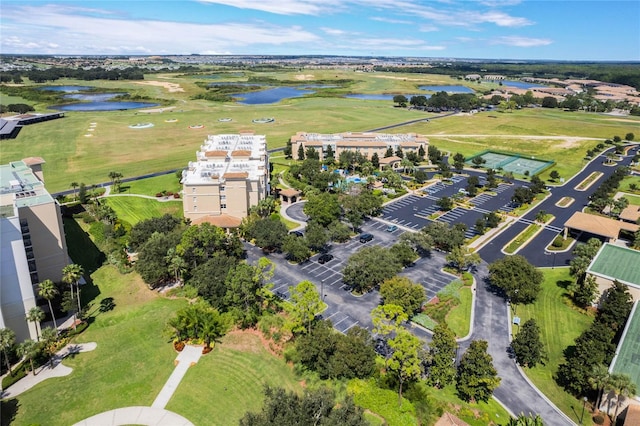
pixel 489 29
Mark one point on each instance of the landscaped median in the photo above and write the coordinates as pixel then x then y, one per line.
pixel 588 181
pixel 523 238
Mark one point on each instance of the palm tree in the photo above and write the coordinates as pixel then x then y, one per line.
pixel 71 275
pixel 623 388
pixel 74 185
pixel 7 340
pixel 29 349
pixel 49 340
pixel 177 264
pixel 48 290
pixel 599 379
pixel 406 164
pixel 36 315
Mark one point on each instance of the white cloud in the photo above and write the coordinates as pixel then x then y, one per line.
pixel 334 31
pixel 427 28
pixel 282 7
pixel 392 44
pixel 390 21
pixel 522 41
pixel 77 33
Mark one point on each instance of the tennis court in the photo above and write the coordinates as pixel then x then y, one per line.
pixel 514 163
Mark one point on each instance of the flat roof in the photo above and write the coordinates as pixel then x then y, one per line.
pixel 617 263
pixel 19 186
pixel 627 358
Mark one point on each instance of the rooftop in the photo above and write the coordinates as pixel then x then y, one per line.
pixel 598 225
pixel 627 358
pixel 20 187
pixel 228 156
pixel 617 263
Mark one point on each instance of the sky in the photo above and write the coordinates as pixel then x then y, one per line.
pixel 575 30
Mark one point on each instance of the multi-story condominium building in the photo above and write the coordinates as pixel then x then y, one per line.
pixel 230 174
pixel 365 143
pixel 32 242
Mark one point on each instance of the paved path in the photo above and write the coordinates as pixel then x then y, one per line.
pixel 136 416
pixel 188 357
pixel 46 372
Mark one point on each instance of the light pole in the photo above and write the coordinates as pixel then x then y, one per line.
pixel 584 402
pixel 322 290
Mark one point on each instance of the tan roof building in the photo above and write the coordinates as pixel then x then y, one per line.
pixel 598 225
pixel 364 142
pixel 230 174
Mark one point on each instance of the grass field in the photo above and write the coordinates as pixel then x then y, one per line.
pixel 459 317
pixel 135 209
pixel 151 186
pixel 629 180
pixel 229 381
pixel 129 367
pixel 71 156
pixel 560 324
pixel 633 199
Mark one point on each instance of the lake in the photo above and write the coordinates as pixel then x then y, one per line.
pixel 448 89
pixel 271 96
pixel 520 84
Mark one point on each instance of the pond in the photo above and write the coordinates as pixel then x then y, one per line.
pixel 380 97
pixel 271 96
pixel 448 89
pixel 68 89
pixel 520 84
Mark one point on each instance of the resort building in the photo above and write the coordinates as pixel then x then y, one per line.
pixel 33 246
pixel 230 175
pixel 365 143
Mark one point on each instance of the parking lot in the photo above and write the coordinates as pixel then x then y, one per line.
pixel 413 211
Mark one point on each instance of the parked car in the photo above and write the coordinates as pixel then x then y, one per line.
pixel 297 233
pixel 364 238
pixel 392 228
pixel 324 258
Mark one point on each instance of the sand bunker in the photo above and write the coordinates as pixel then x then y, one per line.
pixel 224 120
pixel 171 87
pixel 141 126
pixel 197 126
pixel 304 77
pixel 264 120
pixel 157 109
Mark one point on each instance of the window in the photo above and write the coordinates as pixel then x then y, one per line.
pixel 223 198
pixel 223 206
pixel 193 190
pixel 195 199
pixel 195 208
pixel 221 188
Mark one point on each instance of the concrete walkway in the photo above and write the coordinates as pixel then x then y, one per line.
pixel 136 416
pixel 188 357
pixel 155 415
pixel 46 372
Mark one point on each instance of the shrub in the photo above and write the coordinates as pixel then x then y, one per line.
pixel 558 241
pixel 176 195
pixel 18 373
pixel 598 419
pixel 159 194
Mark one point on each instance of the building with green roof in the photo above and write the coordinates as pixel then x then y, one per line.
pixel 627 357
pixel 616 263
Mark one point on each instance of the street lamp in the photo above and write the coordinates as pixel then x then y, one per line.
pixel 322 290
pixel 584 402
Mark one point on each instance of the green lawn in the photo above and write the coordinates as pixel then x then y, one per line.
pixel 628 180
pixel 129 367
pixel 560 325
pixel 229 381
pixel 633 199
pixel 478 414
pixel 135 209
pixel 459 317
pixel 152 186
pixel 522 238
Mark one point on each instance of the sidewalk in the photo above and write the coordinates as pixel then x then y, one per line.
pixel 46 371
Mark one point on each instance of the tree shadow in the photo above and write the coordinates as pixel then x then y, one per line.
pixel 8 410
pixel 81 248
pixel 563 284
pixel 107 304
